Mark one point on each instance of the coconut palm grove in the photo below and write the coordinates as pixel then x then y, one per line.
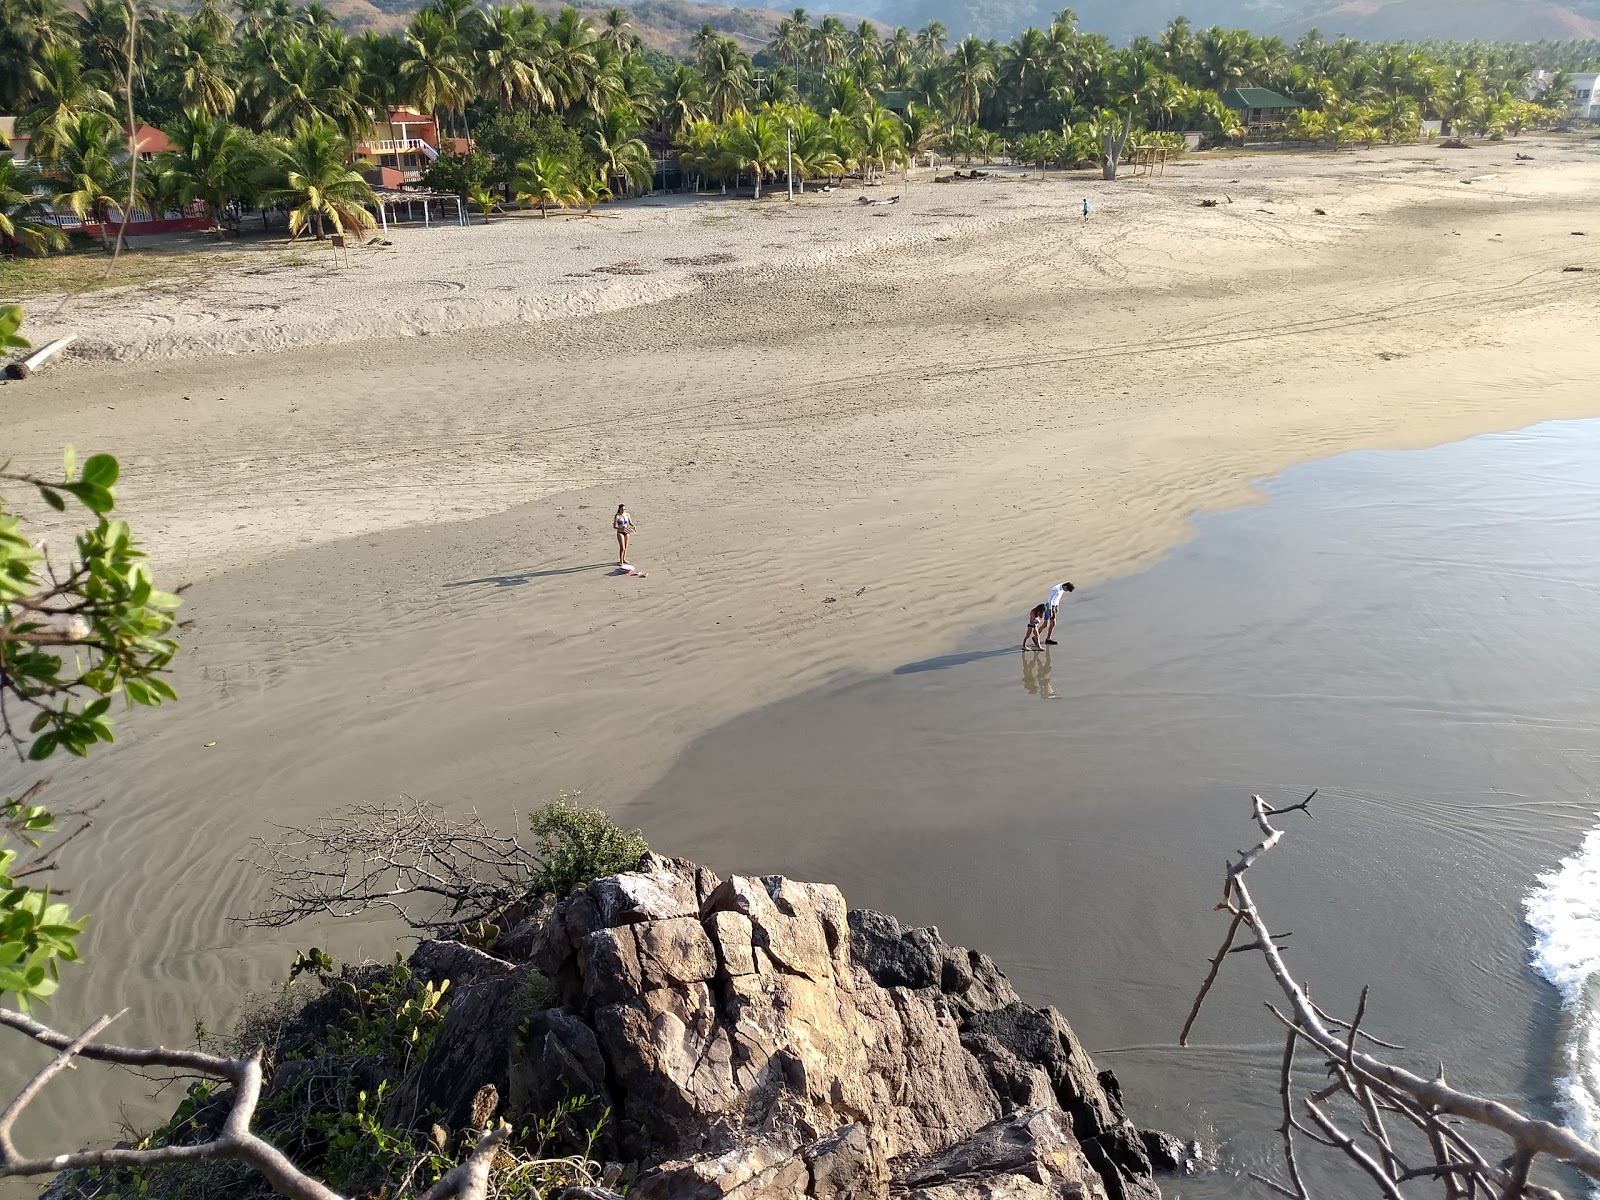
pixel 262 105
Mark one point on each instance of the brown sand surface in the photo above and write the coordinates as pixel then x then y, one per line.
pixel 838 461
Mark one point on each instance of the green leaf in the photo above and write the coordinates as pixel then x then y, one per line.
pixel 101 470
pixel 53 499
pixel 69 460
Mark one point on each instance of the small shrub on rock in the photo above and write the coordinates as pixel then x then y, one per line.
pixel 575 845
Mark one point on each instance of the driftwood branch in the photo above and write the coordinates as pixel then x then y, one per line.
pixel 1436 1117
pixel 235 1141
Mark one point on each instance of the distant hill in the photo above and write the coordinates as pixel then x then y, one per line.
pixel 1501 20
pixel 665 25
pixel 1497 20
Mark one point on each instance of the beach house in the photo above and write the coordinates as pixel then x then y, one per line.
pixel 1259 108
pixel 402 143
pixel 15 143
pixel 1585 96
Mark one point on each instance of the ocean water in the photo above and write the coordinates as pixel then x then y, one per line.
pixel 1564 914
pixel 1416 633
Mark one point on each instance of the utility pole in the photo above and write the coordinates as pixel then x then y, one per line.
pixel 790 141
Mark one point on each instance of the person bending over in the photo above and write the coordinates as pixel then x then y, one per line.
pixel 1035 623
pixel 1052 608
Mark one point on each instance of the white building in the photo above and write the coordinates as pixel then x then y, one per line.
pixel 1586 96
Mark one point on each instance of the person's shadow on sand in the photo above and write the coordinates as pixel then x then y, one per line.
pixel 945 662
pixel 518 578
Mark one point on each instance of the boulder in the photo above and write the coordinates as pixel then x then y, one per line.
pixel 1166 1153
pixel 470 1050
pixel 754 1038
pixel 1035 1145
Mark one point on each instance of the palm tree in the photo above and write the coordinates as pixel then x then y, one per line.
pixel 511 58
pixel 843 94
pixel 90 169
pixel 545 180
pixel 698 149
pixel 432 71
pixel 828 43
pixel 865 43
pixel 22 210
pixel 619 30
pixel 757 142
pixel 901 50
pixel 481 197
pixel 705 38
pixel 882 139
pixel 299 85
pixel 572 52
pixel 62 90
pixel 683 100
pixel 814 151
pixel 312 178
pixel 102 37
pixel 198 56
pixel 931 42
pixel 778 89
pixel 613 142
pixel 727 79
pixel 212 160
pixel 971 71
pixel 921 128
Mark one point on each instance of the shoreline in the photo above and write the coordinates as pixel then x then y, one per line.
pixel 400 562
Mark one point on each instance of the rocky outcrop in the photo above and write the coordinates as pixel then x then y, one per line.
pixel 753 1038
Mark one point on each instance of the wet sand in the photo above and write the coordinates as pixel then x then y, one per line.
pixel 1413 633
pixel 400 548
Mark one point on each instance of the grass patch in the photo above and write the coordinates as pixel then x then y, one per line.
pixel 85 270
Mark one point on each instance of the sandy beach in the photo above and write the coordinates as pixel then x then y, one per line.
pixel 866 432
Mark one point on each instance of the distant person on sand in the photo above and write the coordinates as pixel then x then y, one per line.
pixel 1086 208
pixel 623 524
pixel 1035 623
pixel 1052 607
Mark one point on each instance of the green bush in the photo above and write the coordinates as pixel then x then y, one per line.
pixel 576 845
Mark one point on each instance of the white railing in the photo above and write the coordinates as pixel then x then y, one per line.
pixel 398 145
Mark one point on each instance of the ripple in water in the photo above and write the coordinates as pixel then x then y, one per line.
pixel 1564 913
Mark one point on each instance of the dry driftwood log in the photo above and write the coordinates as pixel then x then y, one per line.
pixel 1396 1126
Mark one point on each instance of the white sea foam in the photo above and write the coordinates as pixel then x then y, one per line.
pixel 1563 911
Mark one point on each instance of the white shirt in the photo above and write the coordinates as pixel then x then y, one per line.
pixel 1056 593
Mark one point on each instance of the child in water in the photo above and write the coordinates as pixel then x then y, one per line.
pixel 1035 623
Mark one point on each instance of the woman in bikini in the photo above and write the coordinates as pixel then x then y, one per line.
pixel 623 524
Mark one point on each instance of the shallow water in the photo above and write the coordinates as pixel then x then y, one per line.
pixel 1415 633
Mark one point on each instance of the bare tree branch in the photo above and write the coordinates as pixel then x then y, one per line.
pixel 1374 1086
pixel 467 1181
pixel 409 858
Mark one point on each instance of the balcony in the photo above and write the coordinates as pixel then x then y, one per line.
pixel 397 146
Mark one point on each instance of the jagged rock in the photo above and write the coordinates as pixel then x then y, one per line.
pixel 885 951
pixel 590 1193
pixel 770 1168
pixel 655 892
pixel 436 960
pixel 674 953
pixel 557 1058
pixel 732 933
pixel 755 1040
pixel 470 1050
pixel 848 1164
pixel 1166 1152
pixel 1091 1098
pixel 1034 1146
